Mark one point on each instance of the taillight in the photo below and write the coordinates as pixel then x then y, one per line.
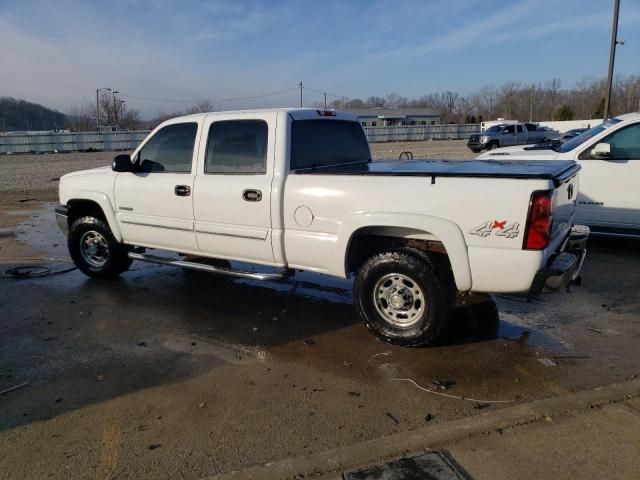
pixel 538 232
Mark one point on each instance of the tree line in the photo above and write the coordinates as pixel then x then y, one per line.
pixel 522 101
pixel 513 100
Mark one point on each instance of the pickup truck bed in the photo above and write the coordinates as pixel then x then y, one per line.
pixel 553 170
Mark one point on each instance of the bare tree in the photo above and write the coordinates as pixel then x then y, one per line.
pixel 202 106
pixel 81 118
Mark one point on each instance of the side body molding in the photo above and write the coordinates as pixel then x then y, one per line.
pixel 105 204
pixel 434 228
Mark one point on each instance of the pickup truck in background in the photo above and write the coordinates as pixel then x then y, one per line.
pixel 510 134
pixel 295 189
pixel 609 154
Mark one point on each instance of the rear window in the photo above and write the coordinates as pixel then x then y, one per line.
pixel 319 143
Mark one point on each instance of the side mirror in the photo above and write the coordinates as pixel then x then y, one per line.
pixel 601 151
pixel 122 163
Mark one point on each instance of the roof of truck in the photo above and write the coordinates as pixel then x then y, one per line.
pixel 296 113
pixel 628 116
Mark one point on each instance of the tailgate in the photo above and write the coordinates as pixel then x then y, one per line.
pixel 565 196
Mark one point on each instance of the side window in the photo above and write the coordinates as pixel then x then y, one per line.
pixel 509 129
pixel 625 144
pixel 519 127
pixel 237 146
pixel 169 150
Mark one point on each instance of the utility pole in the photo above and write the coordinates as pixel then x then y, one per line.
pixel 301 87
pixel 98 106
pixel 612 58
pixel 115 108
pixel 325 100
pixel 4 126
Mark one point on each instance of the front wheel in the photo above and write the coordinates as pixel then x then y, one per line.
pixel 401 299
pixel 492 146
pixel 95 250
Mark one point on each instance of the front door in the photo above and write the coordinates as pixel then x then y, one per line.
pixel 154 203
pixel 232 194
pixel 609 188
pixel 508 137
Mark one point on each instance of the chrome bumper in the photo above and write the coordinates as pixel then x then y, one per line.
pixel 61 218
pixel 563 269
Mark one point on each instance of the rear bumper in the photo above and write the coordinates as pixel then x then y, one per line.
pixel 62 218
pixel 563 268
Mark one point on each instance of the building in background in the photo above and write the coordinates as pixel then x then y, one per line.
pixel 392 117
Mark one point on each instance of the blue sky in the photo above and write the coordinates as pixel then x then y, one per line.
pixel 58 53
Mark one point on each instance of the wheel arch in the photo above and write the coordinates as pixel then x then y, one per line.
pixel 93 204
pixel 403 230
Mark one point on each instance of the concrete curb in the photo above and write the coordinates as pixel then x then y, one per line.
pixel 385 448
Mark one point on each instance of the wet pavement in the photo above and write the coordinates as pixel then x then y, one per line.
pixel 165 373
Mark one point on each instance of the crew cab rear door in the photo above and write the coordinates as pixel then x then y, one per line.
pixel 153 202
pixel 232 191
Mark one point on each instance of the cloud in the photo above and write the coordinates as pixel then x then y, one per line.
pixel 227 21
pixel 471 33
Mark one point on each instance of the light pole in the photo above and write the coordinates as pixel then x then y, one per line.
pixel 612 58
pixel 122 102
pixel 115 108
pixel 98 90
pixel 301 87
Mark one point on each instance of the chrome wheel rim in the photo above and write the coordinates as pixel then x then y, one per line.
pixel 399 300
pixel 94 249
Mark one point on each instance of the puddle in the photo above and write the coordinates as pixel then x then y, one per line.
pixel 234 354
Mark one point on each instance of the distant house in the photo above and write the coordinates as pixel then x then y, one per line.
pixel 392 117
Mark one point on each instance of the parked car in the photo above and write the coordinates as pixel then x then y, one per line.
pixel 608 199
pixel 295 189
pixel 511 134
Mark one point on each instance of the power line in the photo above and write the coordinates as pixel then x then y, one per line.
pixel 323 93
pixel 220 100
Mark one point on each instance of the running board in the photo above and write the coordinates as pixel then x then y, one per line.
pixel 208 268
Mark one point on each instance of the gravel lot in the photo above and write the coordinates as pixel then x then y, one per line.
pixel 38 174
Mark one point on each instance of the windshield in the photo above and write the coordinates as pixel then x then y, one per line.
pixel 583 137
pixel 494 129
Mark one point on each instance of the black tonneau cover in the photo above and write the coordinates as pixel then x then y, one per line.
pixel 557 170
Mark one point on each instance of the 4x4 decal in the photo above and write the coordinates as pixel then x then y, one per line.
pixel 497 228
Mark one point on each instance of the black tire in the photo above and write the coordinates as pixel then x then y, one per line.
pixel 426 288
pixel 113 255
pixel 493 146
pixel 475 150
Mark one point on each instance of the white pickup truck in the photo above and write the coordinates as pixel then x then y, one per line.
pixel 295 189
pixel 609 154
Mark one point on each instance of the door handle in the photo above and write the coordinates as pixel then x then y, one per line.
pixel 252 195
pixel 182 190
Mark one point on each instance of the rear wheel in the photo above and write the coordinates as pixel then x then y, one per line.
pixel 401 299
pixel 95 250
